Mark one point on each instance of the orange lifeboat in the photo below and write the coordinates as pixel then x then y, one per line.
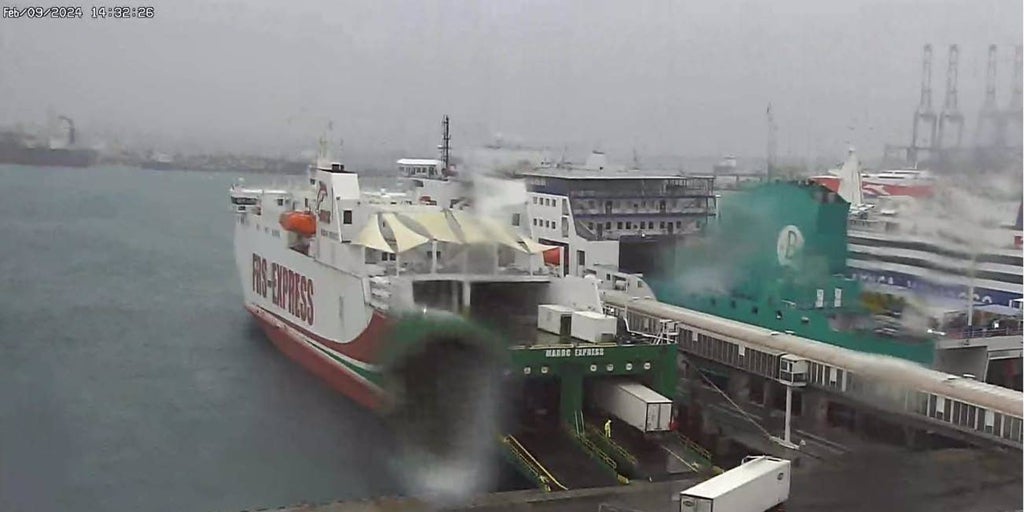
pixel 303 223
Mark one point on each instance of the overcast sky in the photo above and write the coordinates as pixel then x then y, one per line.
pixel 680 77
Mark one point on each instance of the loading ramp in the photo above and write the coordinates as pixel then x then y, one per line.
pixel 651 456
pixel 563 459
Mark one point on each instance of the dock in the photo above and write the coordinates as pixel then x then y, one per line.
pixel 888 478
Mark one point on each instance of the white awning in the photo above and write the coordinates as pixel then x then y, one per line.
pixel 536 248
pixel 502 234
pixel 436 225
pixel 371 237
pixel 472 231
pixel 405 237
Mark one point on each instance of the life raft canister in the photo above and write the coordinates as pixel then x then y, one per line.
pixel 303 223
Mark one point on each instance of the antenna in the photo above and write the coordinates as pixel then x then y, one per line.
pixel 445 144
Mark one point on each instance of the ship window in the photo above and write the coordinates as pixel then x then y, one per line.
pixel 778 314
pixel 280 201
pixel 534 222
pixel 619 225
pixel 607 225
pixel 346 217
pixel 661 224
pixel 679 224
pixel 515 219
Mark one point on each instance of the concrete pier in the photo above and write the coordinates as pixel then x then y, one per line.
pixel 880 479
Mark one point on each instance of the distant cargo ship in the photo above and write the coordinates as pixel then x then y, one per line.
pixel 24 149
pixel 158 161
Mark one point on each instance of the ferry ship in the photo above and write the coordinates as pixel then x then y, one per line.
pixel 628 219
pixel 450 321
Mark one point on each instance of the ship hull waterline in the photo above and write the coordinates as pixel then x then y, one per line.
pixel 318 355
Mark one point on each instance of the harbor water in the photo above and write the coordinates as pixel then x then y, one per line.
pixel 131 378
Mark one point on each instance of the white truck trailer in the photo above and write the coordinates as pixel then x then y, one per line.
pixel 594 327
pixel 760 483
pixel 633 403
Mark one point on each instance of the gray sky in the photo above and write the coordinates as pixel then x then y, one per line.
pixel 680 77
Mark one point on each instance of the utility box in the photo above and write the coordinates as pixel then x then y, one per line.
pixel 633 403
pixel 555 319
pixel 593 327
pixel 758 484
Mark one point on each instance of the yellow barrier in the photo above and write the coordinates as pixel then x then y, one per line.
pixel 532 463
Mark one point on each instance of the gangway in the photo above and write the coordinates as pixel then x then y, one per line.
pixel 959 407
pixel 566 462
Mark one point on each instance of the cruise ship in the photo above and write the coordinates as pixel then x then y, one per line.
pixel 912 238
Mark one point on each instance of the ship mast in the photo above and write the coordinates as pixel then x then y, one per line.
pixel 445 146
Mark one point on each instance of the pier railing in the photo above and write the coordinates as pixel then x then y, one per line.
pixel 525 460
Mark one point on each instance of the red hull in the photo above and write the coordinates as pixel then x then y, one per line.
pixel 874 189
pixel 322 365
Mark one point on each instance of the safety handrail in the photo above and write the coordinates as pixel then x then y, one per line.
pixel 532 463
pixel 700 450
pixel 615 447
pixel 594 451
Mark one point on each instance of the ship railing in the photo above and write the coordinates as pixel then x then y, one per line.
pixel 541 475
pixel 982 332
pixel 595 452
pixel 612 446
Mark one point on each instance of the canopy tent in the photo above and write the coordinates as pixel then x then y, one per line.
pixel 436 226
pixel 537 248
pixel 405 237
pixel 472 231
pixel 502 234
pixel 371 237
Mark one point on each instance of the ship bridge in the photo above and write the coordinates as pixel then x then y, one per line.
pixel 955 407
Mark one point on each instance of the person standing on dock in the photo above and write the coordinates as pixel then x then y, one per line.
pixel 608 428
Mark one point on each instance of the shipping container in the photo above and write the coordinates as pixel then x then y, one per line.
pixel 593 327
pixel 554 319
pixel 633 403
pixel 758 484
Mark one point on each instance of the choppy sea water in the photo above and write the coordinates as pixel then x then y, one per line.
pixel 131 378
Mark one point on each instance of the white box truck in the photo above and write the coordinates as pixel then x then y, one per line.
pixel 633 403
pixel 593 327
pixel 758 484
pixel 554 318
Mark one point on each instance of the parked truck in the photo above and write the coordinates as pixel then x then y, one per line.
pixel 760 483
pixel 633 403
